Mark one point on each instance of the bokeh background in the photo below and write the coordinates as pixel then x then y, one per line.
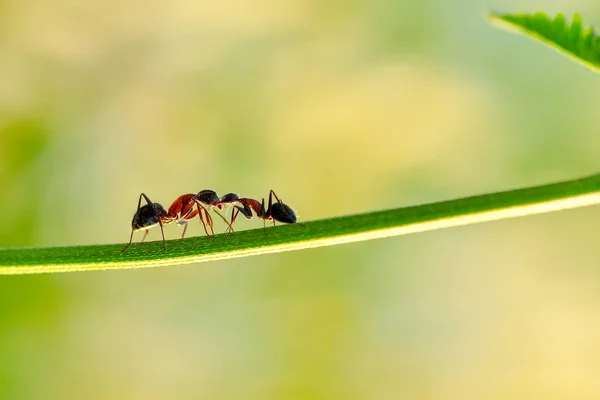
pixel 341 107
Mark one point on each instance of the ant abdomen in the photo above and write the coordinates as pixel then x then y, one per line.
pixel 147 216
pixel 283 213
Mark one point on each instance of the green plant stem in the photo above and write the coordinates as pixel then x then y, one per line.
pixel 488 207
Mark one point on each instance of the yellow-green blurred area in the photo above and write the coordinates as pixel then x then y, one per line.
pixel 340 107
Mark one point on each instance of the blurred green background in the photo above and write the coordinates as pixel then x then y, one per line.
pixel 341 107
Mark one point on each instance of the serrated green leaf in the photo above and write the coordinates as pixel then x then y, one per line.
pixel 581 44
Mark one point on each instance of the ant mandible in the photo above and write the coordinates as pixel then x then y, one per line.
pixel 274 212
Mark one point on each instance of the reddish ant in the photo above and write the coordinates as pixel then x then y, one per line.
pixel 274 212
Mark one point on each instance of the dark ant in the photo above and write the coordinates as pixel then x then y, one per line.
pixel 146 217
pixel 274 212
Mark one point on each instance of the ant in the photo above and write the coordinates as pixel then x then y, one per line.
pixel 274 212
pixel 146 217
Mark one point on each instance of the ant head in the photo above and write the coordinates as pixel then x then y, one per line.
pixel 230 198
pixel 147 216
pixel 282 213
pixel 207 197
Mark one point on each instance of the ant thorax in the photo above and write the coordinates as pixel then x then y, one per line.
pixel 181 207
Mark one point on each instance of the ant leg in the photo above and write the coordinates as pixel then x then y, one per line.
pixel 203 223
pixel 145 235
pixel 163 235
pixel 209 222
pixel 183 222
pixel 234 215
pixel 272 193
pixel 138 209
pixel 130 239
pixel 199 208
pixel 146 198
pixel 184 229
pixel 224 219
pixel 159 221
pixel 265 213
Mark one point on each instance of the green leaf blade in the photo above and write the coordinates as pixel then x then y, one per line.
pixel 348 229
pixel 571 39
